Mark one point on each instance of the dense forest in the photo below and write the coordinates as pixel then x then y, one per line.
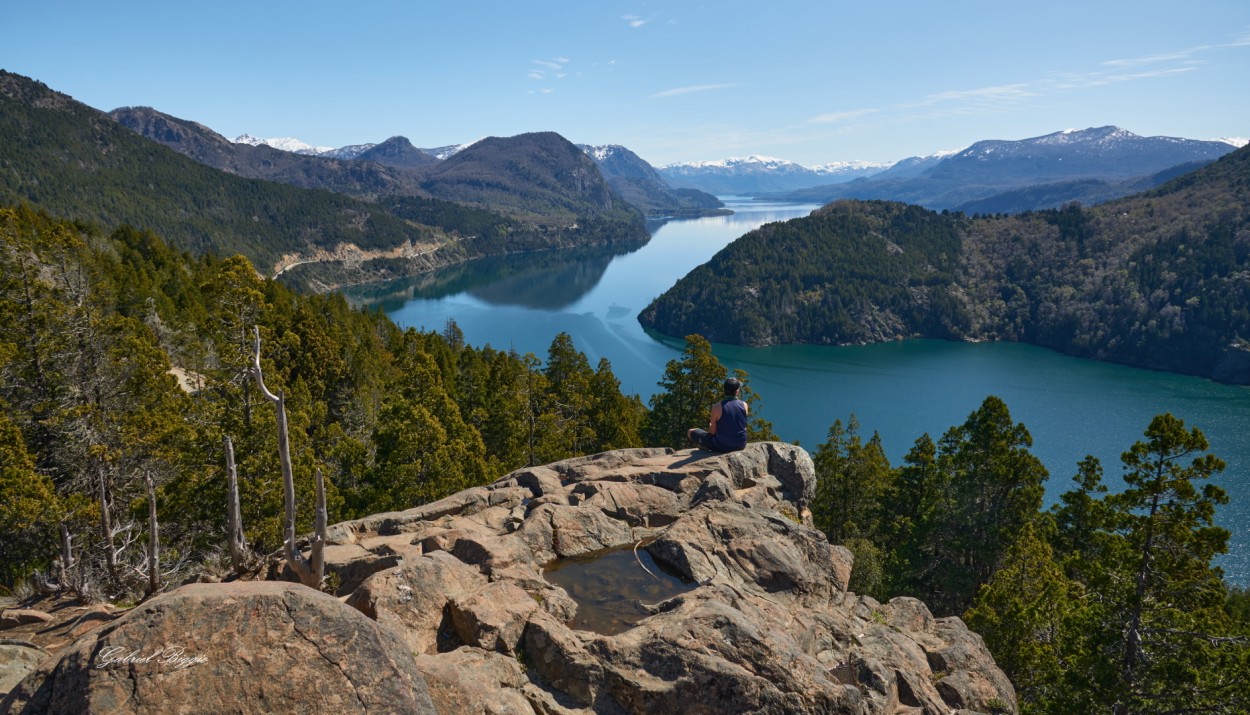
pixel 1104 603
pixel 1155 280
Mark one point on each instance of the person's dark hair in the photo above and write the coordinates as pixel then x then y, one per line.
pixel 732 385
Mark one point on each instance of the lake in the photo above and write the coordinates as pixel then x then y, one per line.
pixel 1072 407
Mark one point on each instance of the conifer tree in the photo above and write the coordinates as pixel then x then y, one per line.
pixel 1023 613
pixel 691 384
pixel 1156 636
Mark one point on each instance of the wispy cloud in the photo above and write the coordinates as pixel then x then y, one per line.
pixel 837 117
pixel 546 70
pixel 996 95
pixel 677 91
pixel 637 21
pixel 1152 59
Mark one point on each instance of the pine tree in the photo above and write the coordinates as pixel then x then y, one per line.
pixel 852 478
pixel 1023 613
pixel 570 400
pixel 1154 634
pixel 958 505
pixel 690 385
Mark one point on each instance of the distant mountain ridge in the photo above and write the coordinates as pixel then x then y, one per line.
pixel 256 159
pixel 640 184
pixel 761 174
pixel 1116 157
pixel 539 178
pixel 368 221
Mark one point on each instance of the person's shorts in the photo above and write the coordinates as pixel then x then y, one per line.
pixel 701 439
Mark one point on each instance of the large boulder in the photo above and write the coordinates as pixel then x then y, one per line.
pixel 241 647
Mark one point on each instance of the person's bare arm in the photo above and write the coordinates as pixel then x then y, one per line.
pixel 716 412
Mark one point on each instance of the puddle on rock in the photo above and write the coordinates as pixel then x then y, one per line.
pixel 610 587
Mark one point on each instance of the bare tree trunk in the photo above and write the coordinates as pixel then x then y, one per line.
pixel 234 520
pixel 294 558
pixel 154 539
pixel 106 527
pixel 67 557
pixel 317 556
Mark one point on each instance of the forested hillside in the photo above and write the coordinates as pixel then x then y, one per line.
pixel 361 221
pixel 1156 280
pixel 75 162
pixel 98 330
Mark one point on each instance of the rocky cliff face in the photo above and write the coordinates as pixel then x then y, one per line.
pixel 763 624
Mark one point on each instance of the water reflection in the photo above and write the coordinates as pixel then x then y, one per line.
pixel 611 586
pixel 543 280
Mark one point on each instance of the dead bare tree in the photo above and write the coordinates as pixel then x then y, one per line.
pixel 301 566
pixel 317 561
pixel 67 557
pixel 154 539
pixel 234 520
pixel 106 528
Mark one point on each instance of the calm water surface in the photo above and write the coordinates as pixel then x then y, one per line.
pixel 902 390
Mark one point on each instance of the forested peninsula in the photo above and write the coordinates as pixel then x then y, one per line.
pixel 1159 280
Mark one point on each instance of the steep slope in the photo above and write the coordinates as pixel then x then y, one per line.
pixel 76 162
pixel 539 177
pixel 987 168
pixel 260 161
pixel 397 152
pixel 1156 280
pixel 636 181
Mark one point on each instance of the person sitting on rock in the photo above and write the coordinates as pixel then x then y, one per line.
pixel 727 428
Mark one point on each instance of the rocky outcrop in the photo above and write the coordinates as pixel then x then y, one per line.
pixel 242 647
pixel 458 602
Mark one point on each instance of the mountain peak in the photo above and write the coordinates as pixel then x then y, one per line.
pixel 290 144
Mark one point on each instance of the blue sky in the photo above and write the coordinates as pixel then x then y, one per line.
pixel 812 82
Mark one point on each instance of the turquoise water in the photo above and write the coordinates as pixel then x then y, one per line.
pixel 902 390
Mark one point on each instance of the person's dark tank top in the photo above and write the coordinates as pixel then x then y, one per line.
pixel 731 428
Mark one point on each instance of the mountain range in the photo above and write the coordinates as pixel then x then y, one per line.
pixel 993 176
pixel 756 175
pixel 469 173
pixel 1088 166
pixel 352 220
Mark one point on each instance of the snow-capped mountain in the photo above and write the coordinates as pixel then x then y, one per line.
pixel 285 144
pixel 349 152
pixel 760 174
pixel 1099 152
pixel 639 183
pixel 443 152
pixel 850 169
pixel 1087 165
pixel 1238 142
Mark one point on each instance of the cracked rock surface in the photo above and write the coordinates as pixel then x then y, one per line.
pixel 458 616
pixel 256 647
